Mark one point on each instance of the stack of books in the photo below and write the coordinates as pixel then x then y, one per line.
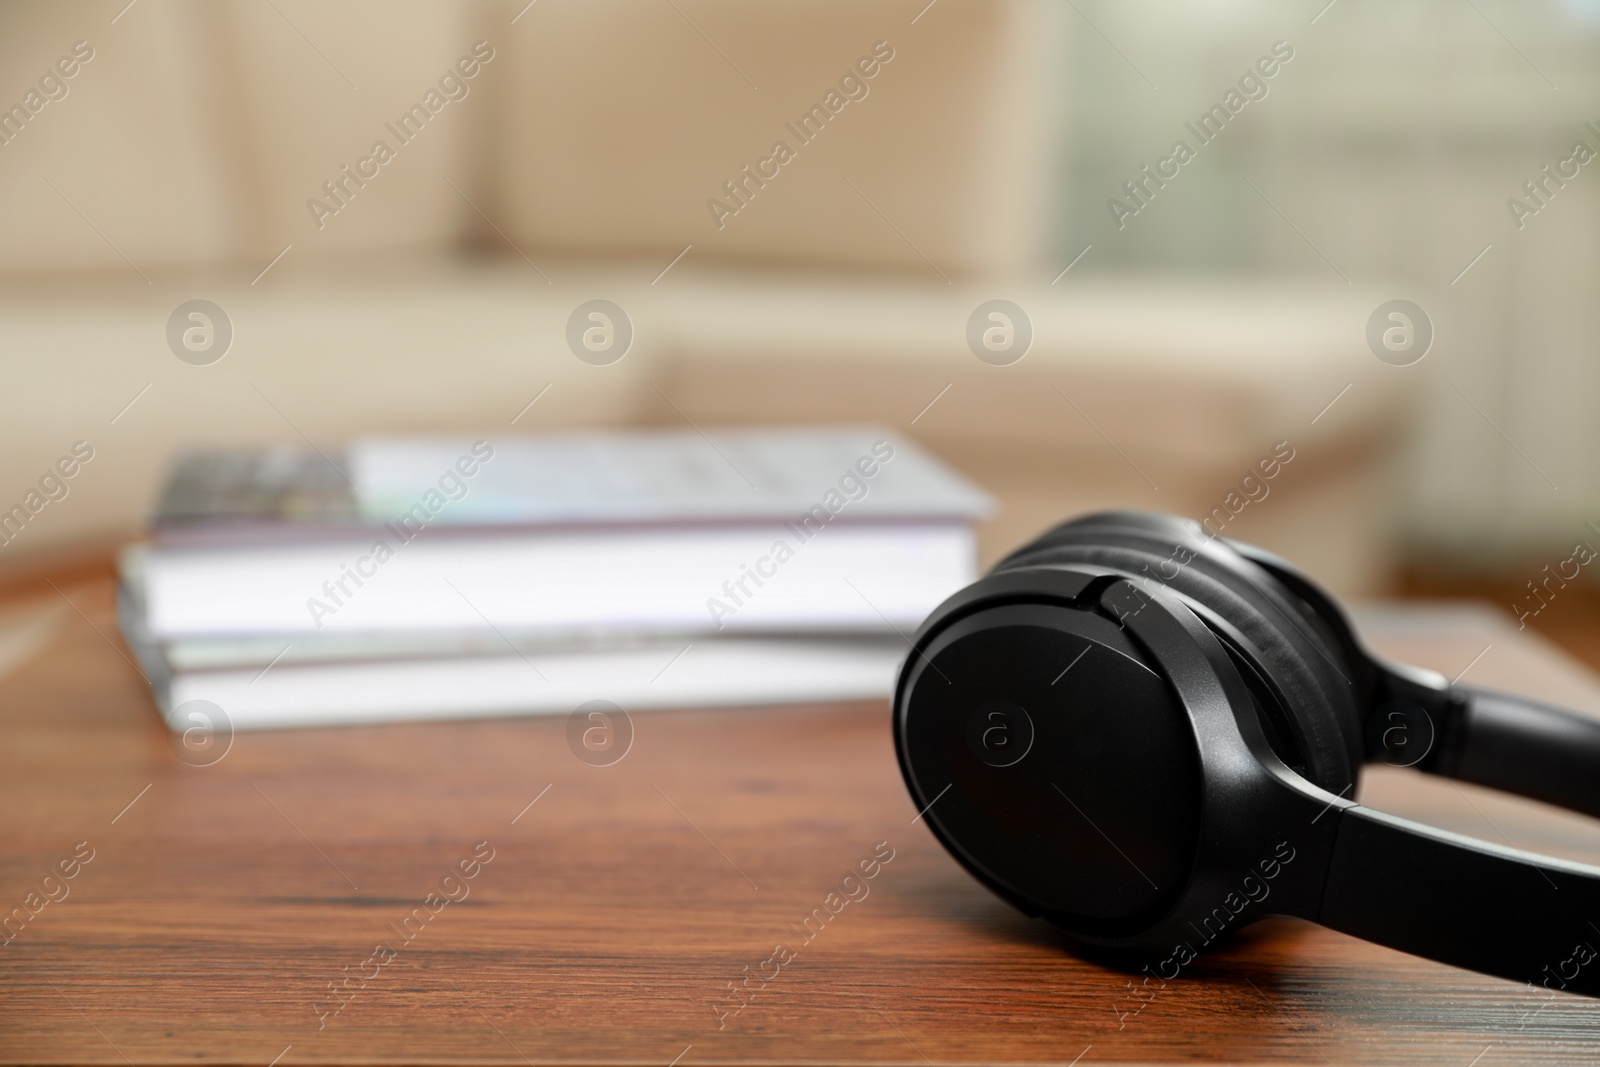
pixel 407 578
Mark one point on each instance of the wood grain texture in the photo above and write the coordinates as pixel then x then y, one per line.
pixel 220 906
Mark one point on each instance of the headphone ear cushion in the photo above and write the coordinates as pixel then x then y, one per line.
pixel 1305 668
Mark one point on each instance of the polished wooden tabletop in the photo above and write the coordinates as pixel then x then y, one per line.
pixel 475 893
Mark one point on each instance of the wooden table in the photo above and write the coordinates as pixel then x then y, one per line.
pixel 222 902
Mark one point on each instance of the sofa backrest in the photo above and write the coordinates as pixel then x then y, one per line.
pixel 197 135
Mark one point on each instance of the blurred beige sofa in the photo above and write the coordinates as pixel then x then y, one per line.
pixel 577 161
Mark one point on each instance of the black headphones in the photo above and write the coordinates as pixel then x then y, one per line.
pixel 1151 737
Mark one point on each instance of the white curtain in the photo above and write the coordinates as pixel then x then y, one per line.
pixel 1384 152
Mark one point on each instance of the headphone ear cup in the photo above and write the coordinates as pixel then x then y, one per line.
pixel 1302 666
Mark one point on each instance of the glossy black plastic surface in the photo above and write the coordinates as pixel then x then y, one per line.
pixel 1521 746
pixel 1465 902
